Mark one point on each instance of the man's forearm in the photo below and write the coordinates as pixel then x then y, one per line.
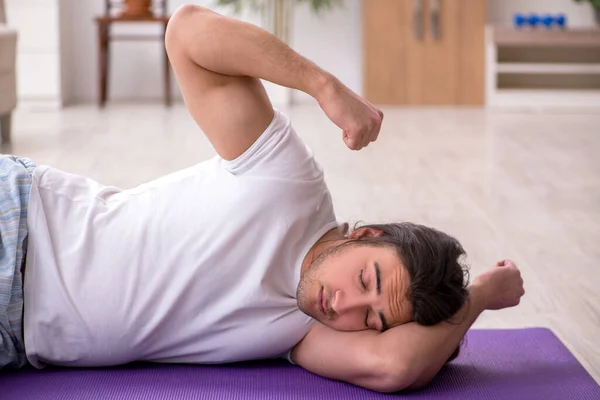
pixel 423 350
pixel 232 47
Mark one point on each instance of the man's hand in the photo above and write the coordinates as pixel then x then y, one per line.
pixel 502 285
pixel 359 120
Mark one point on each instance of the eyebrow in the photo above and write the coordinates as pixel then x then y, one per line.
pixel 384 325
pixel 378 277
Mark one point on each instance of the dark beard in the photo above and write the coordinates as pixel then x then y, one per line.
pixel 307 279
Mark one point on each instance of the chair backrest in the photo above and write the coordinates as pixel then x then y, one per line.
pixel 2 13
pixel 114 7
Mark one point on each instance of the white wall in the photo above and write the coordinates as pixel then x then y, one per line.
pixel 333 41
pixel 38 49
pixel 135 67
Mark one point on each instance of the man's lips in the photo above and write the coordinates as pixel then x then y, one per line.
pixel 322 301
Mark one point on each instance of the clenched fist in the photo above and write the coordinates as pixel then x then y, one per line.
pixel 502 285
pixel 359 120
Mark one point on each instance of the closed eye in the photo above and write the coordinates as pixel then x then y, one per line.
pixel 362 282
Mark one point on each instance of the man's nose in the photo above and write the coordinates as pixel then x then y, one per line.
pixel 342 303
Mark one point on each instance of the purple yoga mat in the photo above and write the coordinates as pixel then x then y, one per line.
pixel 495 364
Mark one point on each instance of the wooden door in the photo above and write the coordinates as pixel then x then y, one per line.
pixel 424 52
pixel 472 52
pixel 415 34
pixel 440 64
pixel 384 48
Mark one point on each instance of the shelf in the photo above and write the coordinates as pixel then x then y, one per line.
pixel 537 68
pixel 505 36
pixel 546 98
pixel 547 68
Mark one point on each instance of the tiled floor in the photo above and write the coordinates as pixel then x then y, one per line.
pixel 520 185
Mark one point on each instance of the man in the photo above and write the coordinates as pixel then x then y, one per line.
pixel 239 257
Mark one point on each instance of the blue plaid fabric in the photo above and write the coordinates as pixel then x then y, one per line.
pixel 15 184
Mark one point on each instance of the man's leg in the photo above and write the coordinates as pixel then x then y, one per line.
pixel 15 183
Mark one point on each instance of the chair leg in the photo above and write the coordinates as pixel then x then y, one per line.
pixel 107 68
pixel 167 72
pixel 102 63
pixel 5 128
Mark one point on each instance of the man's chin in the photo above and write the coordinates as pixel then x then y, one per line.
pixel 306 309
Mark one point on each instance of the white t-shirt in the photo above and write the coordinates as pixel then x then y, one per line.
pixel 200 266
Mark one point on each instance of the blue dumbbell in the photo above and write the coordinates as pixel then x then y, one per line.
pixel 547 20
pixel 533 20
pixel 519 20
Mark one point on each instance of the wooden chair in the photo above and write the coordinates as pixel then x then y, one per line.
pixel 8 76
pixel 115 12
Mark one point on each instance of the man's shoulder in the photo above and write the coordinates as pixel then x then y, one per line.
pixel 278 153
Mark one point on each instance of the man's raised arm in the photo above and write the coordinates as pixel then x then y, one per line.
pixel 233 47
pixel 218 62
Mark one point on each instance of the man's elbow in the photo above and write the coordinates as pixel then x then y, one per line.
pixel 186 11
pixel 184 17
pixel 405 375
pixel 397 378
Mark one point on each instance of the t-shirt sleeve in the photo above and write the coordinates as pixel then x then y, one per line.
pixel 278 153
pixel 288 356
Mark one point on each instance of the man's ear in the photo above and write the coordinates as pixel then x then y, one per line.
pixel 364 232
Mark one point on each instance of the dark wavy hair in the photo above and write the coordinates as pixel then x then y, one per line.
pixel 438 277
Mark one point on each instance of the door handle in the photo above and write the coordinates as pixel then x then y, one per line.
pixel 418 19
pixel 434 16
